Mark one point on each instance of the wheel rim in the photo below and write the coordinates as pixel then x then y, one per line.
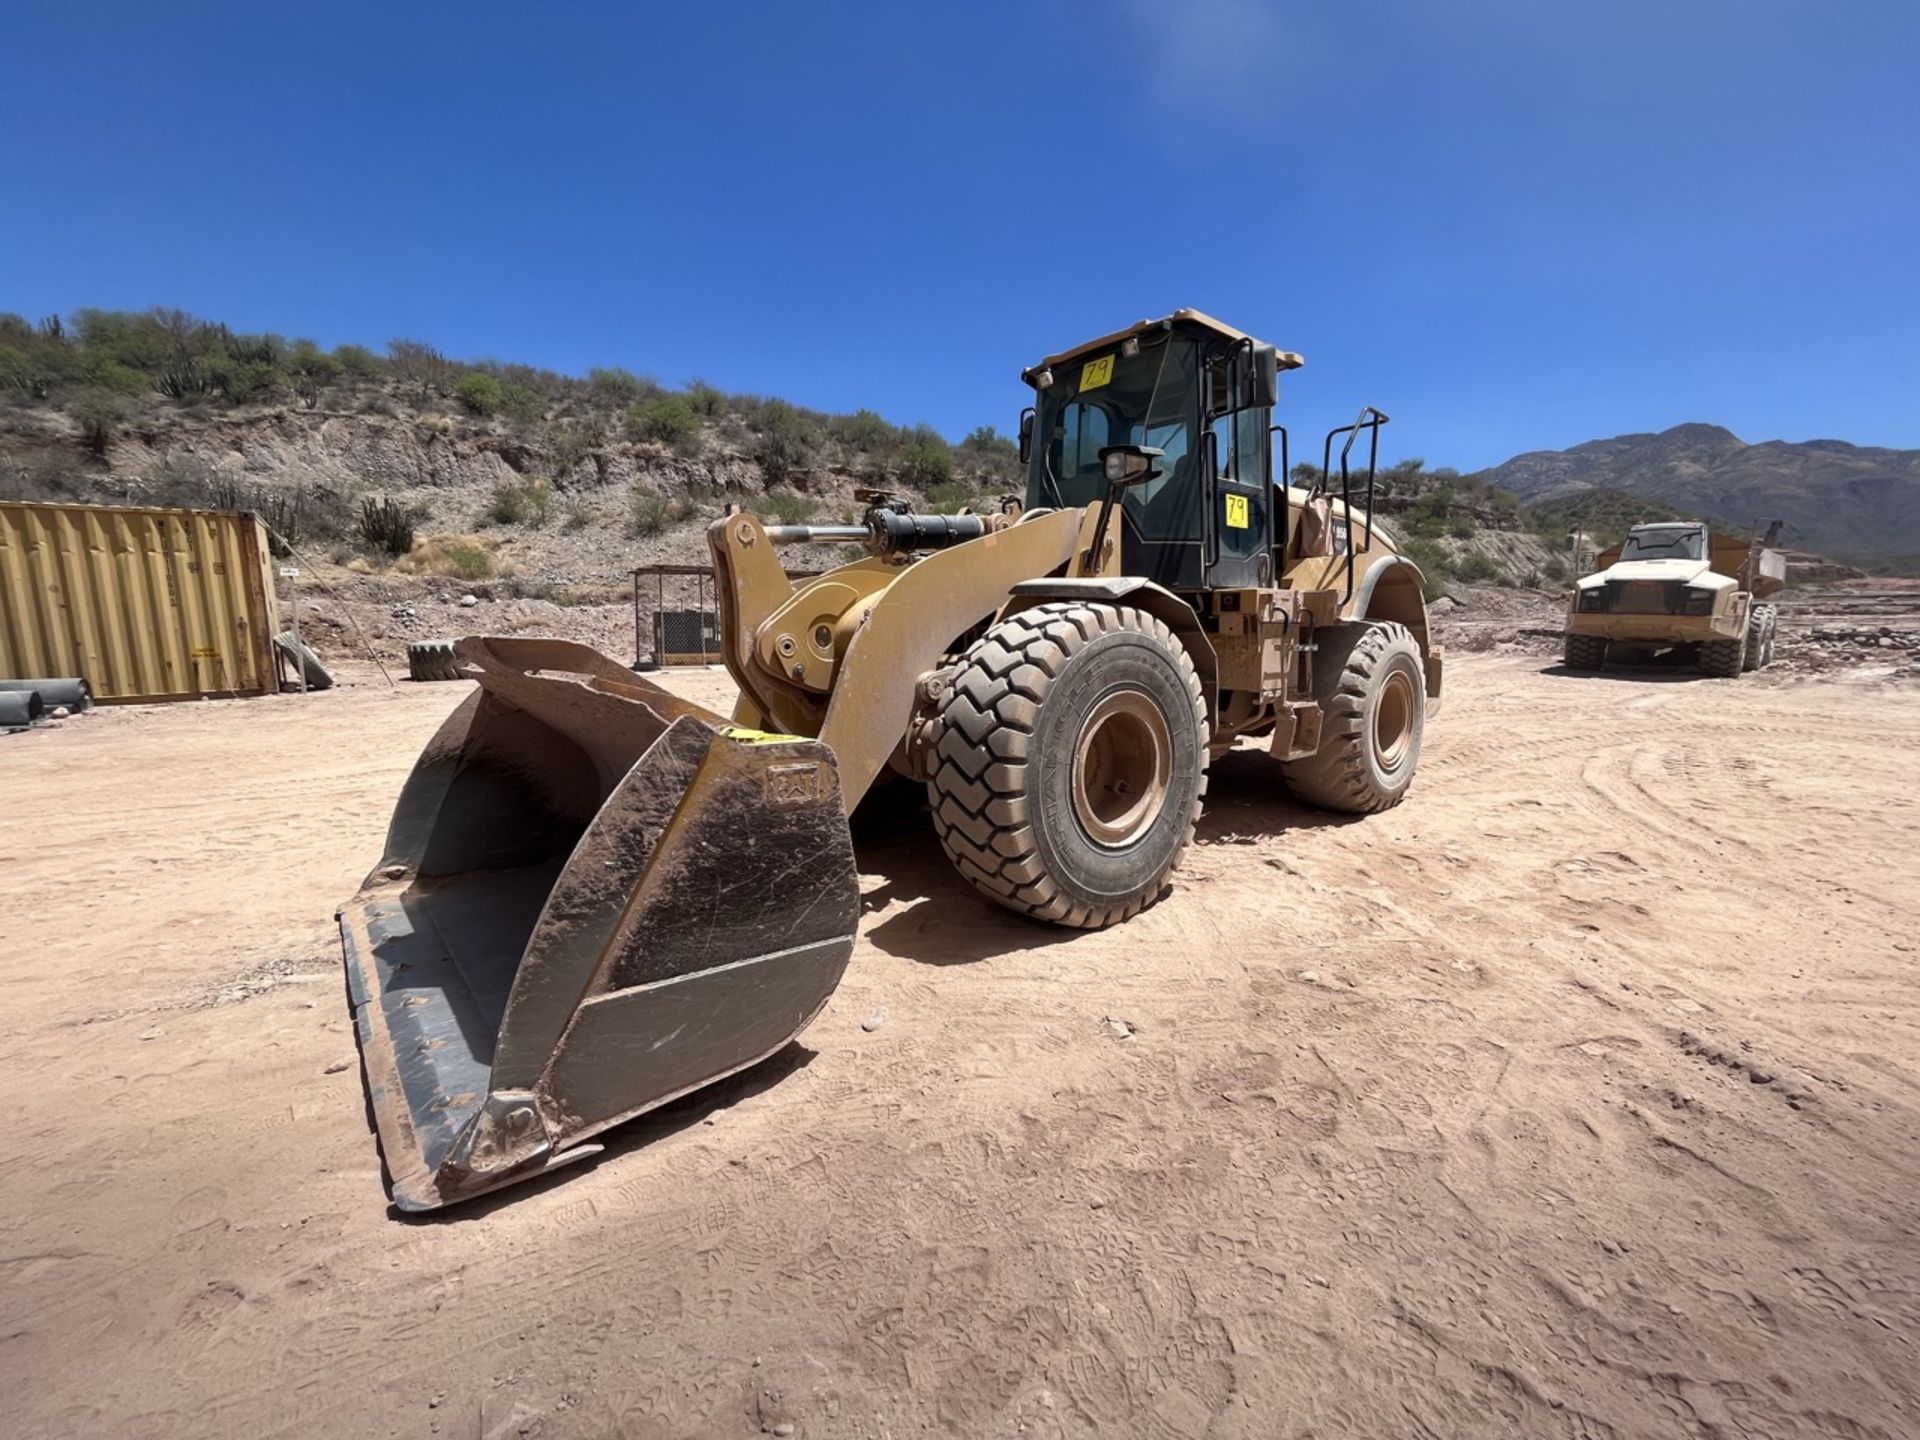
pixel 1393 721
pixel 1122 769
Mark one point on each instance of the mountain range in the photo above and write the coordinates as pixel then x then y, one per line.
pixel 1847 501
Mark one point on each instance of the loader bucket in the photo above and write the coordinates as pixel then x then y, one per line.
pixel 595 897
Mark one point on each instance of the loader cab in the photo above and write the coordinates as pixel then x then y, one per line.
pixel 1200 393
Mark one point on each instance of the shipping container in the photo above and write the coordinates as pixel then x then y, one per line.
pixel 146 604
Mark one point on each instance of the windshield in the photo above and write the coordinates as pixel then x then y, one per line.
pixel 1688 544
pixel 1115 399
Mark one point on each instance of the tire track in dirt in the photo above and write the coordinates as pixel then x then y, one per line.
pixel 1390 1144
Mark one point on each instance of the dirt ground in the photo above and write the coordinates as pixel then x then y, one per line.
pixel 1579 1096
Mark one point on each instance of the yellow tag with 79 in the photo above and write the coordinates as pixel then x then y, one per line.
pixel 1236 512
pixel 1096 373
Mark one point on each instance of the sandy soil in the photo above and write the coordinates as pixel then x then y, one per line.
pixel 1578 1096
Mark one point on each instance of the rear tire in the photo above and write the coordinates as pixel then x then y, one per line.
pixel 1585 652
pixel 1371 685
pixel 432 660
pixel 1070 758
pixel 1723 659
pixel 1760 630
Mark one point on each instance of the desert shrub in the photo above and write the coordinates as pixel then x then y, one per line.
pixel 120 379
pixel 651 512
pixel 664 420
pixel 186 482
pixel 357 361
pixel 574 444
pixel 1476 568
pixel 48 472
pixel 419 366
pixel 301 514
pixel 924 463
pixel 708 402
pixel 1461 526
pixel 951 496
pixel 387 526
pixel 243 381
pixel 521 502
pixel 22 372
pixel 987 451
pixel 468 562
pixel 1554 571
pixel 865 431
pixel 578 518
pixel 783 507
pixel 614 386
pixel 137 341
pixel 787 439
pixel 313 371
pixel 267 350
pixel 479 394
pixel 99 414
pixel 521 403
pixel 293 516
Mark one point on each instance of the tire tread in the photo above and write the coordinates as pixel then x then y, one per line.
pixel 978 790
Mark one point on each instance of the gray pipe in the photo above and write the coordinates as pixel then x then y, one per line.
pixel 19 709
pixel 72 692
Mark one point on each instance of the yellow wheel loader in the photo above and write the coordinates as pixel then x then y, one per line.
pixel 597 897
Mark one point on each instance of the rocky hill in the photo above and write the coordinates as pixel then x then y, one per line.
pixel 1850 501
pixel 413 488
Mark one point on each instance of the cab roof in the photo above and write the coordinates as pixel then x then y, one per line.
pixel 1289 360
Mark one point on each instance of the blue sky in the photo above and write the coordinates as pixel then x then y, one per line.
pixel 1510 223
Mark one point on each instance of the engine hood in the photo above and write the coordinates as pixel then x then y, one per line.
pixel 1690 572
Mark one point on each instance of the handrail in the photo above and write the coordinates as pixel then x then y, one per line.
pixel 1281 516
pixel 1370 420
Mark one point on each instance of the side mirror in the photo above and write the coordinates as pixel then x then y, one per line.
pixel 1125 465
pixel 1026 435
pixel 1263 379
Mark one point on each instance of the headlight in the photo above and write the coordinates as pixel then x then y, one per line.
pixel 1594 598
pixel 1699 602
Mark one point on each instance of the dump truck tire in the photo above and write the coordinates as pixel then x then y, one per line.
pixel 432 660
pixel 1371 685
pixel 1760 637
pixel 1585 652
pixel 1069 762
pixel 1723 659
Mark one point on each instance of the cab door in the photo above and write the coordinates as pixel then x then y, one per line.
pixel 1239 500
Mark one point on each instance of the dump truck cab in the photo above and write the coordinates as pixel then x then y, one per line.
pixel 1674 584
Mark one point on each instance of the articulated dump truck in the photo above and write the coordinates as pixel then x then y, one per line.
pixel 597 897
pixel 1678 587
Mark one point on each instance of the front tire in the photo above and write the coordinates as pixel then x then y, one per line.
pixel 1070 758
pixel 1371 685
pixel 1723 659
pixel 1585 652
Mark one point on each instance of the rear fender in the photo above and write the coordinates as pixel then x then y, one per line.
pixel 1394 589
